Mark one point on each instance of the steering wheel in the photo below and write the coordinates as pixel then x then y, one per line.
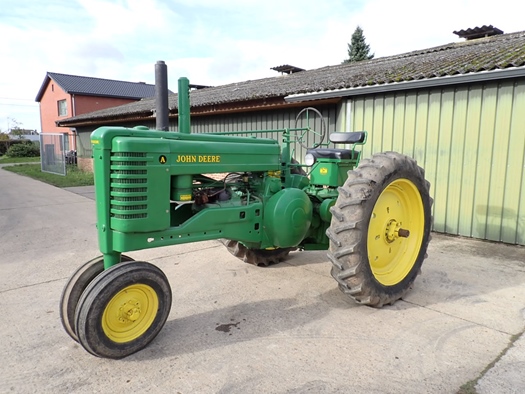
pixel 313 118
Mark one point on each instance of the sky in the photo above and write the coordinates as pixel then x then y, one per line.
pixel 213 42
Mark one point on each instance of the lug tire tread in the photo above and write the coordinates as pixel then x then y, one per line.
pixel 348 231
pixel 259 257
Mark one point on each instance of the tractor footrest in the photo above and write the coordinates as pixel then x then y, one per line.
pixel 328 153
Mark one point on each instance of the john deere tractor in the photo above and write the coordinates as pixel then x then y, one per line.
pixel 156 188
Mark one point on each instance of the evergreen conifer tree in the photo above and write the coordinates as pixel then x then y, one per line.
pixel 358 49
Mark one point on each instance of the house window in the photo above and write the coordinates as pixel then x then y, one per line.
pixel 66 142
pixel 62 108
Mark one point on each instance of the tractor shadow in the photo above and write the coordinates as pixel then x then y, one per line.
pixel 303 258
pixel 460 278
pixel 240 323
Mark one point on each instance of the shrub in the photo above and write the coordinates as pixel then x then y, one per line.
pixel 5 144
pixel 23 150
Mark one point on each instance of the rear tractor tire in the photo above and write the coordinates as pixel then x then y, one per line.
pixel 259 257
pixel 380 229
pixel 262 257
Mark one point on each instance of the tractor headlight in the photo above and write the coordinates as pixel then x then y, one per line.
pixel 309 159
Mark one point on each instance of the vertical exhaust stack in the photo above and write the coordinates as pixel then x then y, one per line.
pixel 162 121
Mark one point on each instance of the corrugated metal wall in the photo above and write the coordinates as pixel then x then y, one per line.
pixel 84 147
pixel 471 142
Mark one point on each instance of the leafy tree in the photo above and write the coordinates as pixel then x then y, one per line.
pixel 358 49
pixel 16 132
pixel 15 128
pixel 20 133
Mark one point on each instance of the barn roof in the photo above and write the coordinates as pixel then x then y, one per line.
pixel 467 58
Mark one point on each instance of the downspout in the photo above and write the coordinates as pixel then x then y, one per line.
pixel 73 113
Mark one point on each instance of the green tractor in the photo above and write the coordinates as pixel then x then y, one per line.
pixel 156 188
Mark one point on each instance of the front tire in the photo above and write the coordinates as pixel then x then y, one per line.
pixel 74 288
pixel 380 229
pixel 123 309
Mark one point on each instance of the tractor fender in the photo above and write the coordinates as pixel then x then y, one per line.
pixel 287 217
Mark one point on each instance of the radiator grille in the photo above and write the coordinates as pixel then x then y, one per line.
pixel 129 207
pixel 130 216
pixel 129 191
pixel 127 181
pixel 129 172
pixel 137 198
pixel 128 163
pixel 128 154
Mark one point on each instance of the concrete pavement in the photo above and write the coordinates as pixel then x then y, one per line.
pixel 236 328
pixel 85 191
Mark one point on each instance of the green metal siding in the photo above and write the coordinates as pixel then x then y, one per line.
pixel 471 142
pixel 84 147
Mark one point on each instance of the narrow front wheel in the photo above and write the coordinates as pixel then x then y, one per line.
pixel 123 309
pixel 74 288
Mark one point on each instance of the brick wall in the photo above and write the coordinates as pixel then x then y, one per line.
pixel 85 104
pixel 49 108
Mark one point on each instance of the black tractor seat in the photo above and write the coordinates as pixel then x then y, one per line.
pixel 353 137
pixel 329 153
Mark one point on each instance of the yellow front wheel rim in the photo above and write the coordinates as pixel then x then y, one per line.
pixel 395 232
pixel 130 313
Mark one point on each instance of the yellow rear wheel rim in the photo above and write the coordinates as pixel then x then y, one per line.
pixel 392 253
pixel 130 313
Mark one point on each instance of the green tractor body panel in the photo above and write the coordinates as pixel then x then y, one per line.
pixel 156 188
pixel 287 217
pixel 144 179
pixel 330 172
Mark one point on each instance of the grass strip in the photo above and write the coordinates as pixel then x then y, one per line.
pixel 9 160
pixel 74 177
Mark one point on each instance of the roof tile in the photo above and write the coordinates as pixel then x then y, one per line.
pixel 466 57
pixel 89 86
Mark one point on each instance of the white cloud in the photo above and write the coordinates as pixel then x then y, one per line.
pixel 128 18
pixel 215 42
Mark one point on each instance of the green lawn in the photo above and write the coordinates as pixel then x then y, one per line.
pixel 74 177
pixel 7 159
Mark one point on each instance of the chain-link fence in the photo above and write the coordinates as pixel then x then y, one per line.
pixel 52 153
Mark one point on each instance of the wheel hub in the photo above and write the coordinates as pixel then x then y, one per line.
pixel 393 231
pixel 392 248
pixel 130 311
